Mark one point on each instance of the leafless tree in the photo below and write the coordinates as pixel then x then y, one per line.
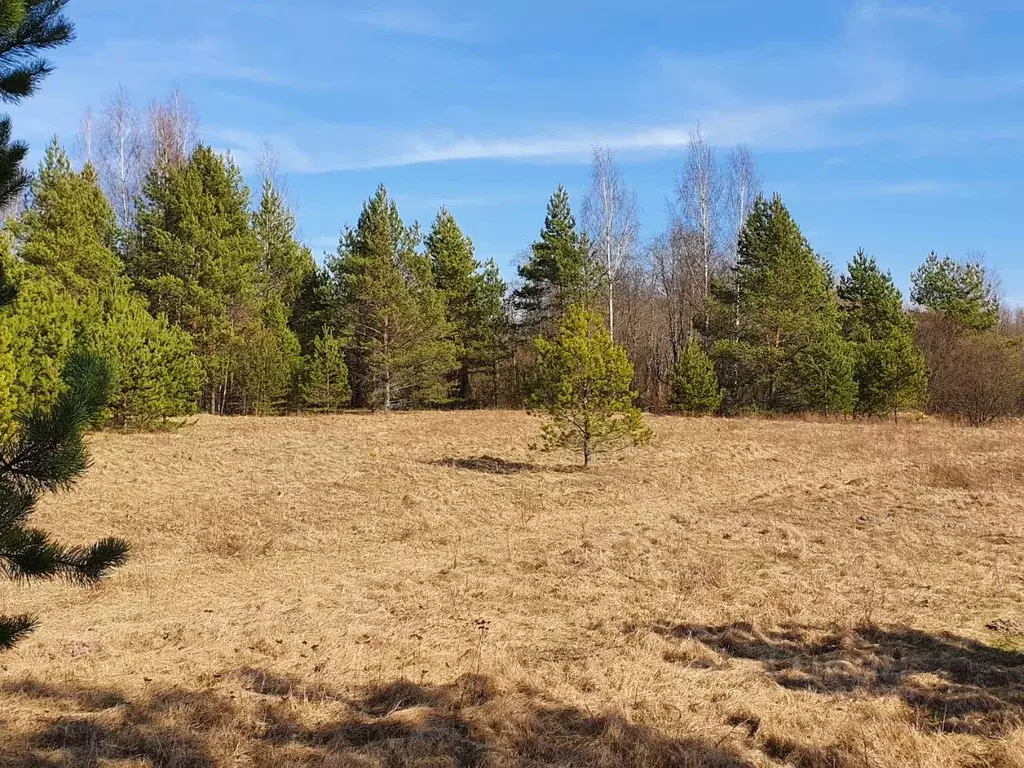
pixel 119 153
pixel 699 191
pixel 744 188
pixel 677 264
pixel 173 130
pixel 611 221
pixel 268 165
pixel 86 134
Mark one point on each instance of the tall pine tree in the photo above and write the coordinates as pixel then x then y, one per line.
pixel 789 354
pixel 474 298
pixel 889 369
pixel 560 271
pixel 400 349
pixel 960 290
pixel 66 241
pixel 196 258
pixel 69 228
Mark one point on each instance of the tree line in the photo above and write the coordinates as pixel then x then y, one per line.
pixel 153 253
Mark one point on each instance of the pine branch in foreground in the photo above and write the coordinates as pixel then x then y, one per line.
pixel 47 454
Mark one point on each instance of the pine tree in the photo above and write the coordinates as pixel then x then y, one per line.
pixel 157 373
pixel 27 27
pixel 583 386
pixel 325 384
pixel 789 354
pixel 314 308
pixel 474 298
pixel 69 229
pixel 43 450
pixel 871 304
pixel 693 385
pixel 822 375
pixel 560 271
pixel 195 258
pixel 890 375
pixel 961 290
pixel 69 274
pixel 889 369
pixel 284 262
pixel 264 362
pixel 400 350
pixel 38 333
pixel 45 455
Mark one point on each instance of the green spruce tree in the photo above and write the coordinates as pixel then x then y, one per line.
pixel 582 385
pixel 693 385
pixel 400 349
pixel 39 330
pixel 264 363
pixel 560 271
pixel 157 373
pixel 65 242
pixel 272 367
pixel 315 307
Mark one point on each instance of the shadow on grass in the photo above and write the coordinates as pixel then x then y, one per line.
pixel 471 723
pixel 493 465
pixel 954 684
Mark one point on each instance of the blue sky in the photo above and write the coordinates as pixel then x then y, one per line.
pixel 895 126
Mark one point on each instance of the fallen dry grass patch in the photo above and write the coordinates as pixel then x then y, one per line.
pixel 421 589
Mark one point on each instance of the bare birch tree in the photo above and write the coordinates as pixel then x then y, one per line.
pixel 677 262
pixel 744 188
pixel 699 191
pixel 119 153
pixel 85 138
pixel 611 221
pixel 173 130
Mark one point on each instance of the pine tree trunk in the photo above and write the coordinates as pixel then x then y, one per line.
pixel 464 383
pixel 494 394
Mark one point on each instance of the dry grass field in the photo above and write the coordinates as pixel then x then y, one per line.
pixel 422 589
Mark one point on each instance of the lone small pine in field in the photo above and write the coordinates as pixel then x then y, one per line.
pixel 582 386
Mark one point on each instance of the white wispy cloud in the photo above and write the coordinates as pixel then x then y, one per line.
pixel 784 126
pixel 415 22
pixel 876 12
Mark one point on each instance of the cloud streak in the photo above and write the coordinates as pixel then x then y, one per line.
pixel 415 22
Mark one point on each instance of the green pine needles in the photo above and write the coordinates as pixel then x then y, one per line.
pixel 46 455
pixel 325 385
pixel 582 386
pixel 693 385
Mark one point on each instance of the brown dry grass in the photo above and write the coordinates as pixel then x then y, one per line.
pixel 421 589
